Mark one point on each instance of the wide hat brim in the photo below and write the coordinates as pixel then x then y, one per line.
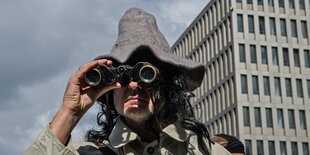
pixel 139 39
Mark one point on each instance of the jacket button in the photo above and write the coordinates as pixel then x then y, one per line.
pixel 150 150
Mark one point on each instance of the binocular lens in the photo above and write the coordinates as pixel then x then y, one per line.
pixel 93 77
pixel 148 74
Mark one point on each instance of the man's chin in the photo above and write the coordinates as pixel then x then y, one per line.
pixel 138 114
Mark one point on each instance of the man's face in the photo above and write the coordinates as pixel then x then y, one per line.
pixel 133 102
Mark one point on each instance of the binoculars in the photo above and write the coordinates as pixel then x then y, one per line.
pixel 142 71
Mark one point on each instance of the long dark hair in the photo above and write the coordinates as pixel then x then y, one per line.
pixel 171 89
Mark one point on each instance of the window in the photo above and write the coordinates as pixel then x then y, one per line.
pixel 296 58
pixel 272 24
pixel 280 118
pixel 270 3
pixel 283 148
pixel 260 2
pixel 249 1
pixel 239 1
pixel 305 149
pixel 281 3
pixel 260 147
pixel 241 53
pixel 244 84
pixel 261 25
pixel 283 27
pixel 255 85
pixel 299 88
pixel 248 147
pixel 264 54
pixel 307 58
pixel 277 86
pixel 308 86
pixel 302 119
pixel 291 4
pixel 240 23
pixel 266 86
pixel 271 148
pixel 269 118
pixel 301 4
pixel 294 148
pixel 286 59
pixel 293 28
pixel 258 120
pixel 246 116
pixel 275 58
pixel 288 87
pixel 251 24
pixel 304 30
pixel 253 54
pixel 291 119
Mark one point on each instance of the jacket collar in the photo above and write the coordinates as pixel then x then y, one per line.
pixel 122 134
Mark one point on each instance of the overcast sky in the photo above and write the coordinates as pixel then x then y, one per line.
pixel 42 42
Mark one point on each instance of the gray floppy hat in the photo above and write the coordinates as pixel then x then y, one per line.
pixel 139 39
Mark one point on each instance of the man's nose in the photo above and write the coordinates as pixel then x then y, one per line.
pixel 134 85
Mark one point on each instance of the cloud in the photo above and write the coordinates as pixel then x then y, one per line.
pixel 43 42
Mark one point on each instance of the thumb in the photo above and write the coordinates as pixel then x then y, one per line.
pixel 106 88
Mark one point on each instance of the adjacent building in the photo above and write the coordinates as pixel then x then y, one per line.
pixel 257 80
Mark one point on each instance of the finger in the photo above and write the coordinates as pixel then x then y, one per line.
pixel 88 66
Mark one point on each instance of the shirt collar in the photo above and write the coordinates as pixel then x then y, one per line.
pixel 122 134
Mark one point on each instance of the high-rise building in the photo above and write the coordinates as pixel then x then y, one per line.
pixel 257 80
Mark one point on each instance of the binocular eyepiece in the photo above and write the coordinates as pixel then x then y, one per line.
pixel 142 71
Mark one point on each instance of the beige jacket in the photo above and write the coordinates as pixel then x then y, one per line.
pixel 173 140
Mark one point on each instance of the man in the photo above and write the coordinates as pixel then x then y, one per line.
pixel 232 144
pixel 137 117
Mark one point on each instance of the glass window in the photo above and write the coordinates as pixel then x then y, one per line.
pixel 264 54
pixel 307 58
pixel 301 4
pixel 291 119
pixel 266 86
pixel 302 119
pixel 288 87
pixel 260 2
pixel 251 24
pixel 305 149
pixel 260 147
pixel 283 148
pixel 291 4
pixel 258 120
pixel 304 30
pixel 271 148
pixel 255 85
pixel 280 118
pixel 246 116
pixel 240 23
pixel 248 147
pixel 239 1
pixel 299 88
pixel 294 148
pixel 296 58
pixel 308 87
pixel 261 25
pixel 241 53
pixel 272 24
pixel 293 28
pixel 281 3
pixel 253 54
pixel 244 84
pixel 249 1
pixel 275 57
pixel 283 27
pixel 286 59
pixel 269 118
pixel 277 86
pixel 270 3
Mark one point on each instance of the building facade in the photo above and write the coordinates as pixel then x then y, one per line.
pixel 257 81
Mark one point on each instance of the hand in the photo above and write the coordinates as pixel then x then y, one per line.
pixel 78 98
